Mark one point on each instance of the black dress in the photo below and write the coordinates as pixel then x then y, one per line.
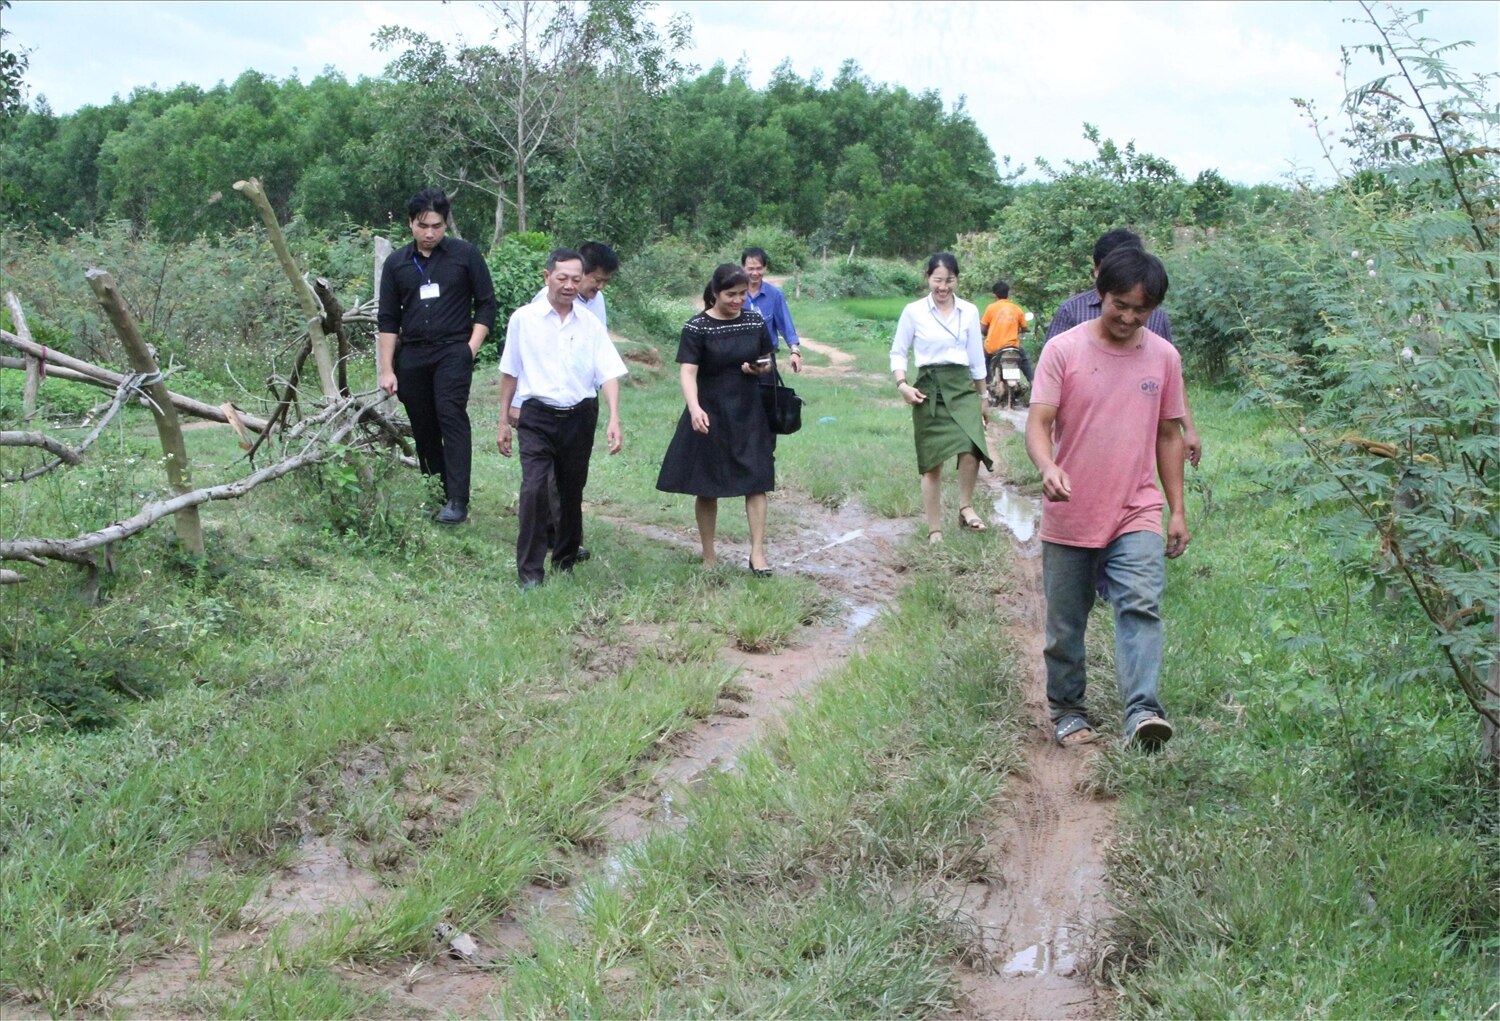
pixel 737 455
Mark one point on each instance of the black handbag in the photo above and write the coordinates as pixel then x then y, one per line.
pixel 783 406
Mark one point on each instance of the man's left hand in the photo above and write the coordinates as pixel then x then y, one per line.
pixel 615 436
pixel 796 360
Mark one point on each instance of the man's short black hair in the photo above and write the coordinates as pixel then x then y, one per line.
pixel 1128 266
pixel 598 255
pixel 562 255
pixel 1114 239
pixel 755 253
pixel 1001 289
pixel 428 200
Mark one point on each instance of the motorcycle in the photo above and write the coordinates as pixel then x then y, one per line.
pixel 1008 387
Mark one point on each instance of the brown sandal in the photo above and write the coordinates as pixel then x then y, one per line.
pixel 974 523
pixel 934 537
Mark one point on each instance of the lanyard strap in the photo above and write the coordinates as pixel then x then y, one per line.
pixel 956 311
pixel 414 262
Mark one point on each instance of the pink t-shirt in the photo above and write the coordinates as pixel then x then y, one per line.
pixel 1109 401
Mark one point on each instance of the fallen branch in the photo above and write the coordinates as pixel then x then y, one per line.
pixel 34 367
pixel 79 548
pixel 253 191
pixel 107 379
pixel 63 452
pixel 123 393
pixel 168 428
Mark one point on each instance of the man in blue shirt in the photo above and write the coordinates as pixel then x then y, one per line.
pixel 767 299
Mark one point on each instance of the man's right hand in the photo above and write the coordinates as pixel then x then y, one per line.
pixel 387 382
pixel 1056 486
pixel 503 440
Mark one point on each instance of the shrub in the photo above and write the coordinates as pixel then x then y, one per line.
pixel 516 264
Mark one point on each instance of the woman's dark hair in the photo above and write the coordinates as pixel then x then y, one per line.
pixel 1001 289
pixel 942 259
pixel 1128 266
pixel 726 276
pixel 428 200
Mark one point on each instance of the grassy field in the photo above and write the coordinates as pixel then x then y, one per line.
pixel 1309 845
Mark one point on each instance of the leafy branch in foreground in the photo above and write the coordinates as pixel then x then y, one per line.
pixel 1395 403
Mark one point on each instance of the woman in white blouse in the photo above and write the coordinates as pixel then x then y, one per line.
pixel 941 333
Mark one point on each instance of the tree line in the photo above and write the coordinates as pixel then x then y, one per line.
pixel 575 120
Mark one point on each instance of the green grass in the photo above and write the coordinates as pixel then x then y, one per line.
pixel 1309 844
pixel 1312 843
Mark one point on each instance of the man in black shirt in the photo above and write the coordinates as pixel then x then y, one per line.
pixel 437 304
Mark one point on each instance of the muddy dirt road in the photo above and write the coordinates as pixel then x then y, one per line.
pixel 1044 891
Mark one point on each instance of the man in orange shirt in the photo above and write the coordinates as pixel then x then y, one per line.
pixel 1002 324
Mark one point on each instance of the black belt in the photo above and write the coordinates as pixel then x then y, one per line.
pixel 433 343
pixel 560 412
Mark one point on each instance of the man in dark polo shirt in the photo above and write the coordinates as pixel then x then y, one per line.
pixel 437 304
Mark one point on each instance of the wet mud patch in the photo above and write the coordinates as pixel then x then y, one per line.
pixel 1036 915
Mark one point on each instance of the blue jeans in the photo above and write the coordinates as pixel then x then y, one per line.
pixel 1133 569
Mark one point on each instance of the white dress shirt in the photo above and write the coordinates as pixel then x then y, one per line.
pixel 933 339
pixel 594 304
pixel 557 362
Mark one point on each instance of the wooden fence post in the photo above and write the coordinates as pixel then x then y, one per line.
pixel 173 447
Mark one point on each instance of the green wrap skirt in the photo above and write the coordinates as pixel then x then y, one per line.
pixel 951 420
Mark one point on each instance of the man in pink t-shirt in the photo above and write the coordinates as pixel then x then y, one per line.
pixel 1104 425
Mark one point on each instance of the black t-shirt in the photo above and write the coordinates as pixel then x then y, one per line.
pixel 466 294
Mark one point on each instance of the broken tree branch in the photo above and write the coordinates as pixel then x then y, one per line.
pixel 57 447
pixel 333 322
pixel 253 191
pixel 130 387
pixel 106 379
pixel 79 548
pixel 168 429
pixel 34 366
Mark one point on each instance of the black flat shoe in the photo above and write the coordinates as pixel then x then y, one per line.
pixel 454 512
pixel 759 572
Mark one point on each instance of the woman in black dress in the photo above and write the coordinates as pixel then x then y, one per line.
pixel 723 445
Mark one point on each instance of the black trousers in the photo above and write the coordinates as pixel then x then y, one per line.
pixel 432 381
pixel 555 448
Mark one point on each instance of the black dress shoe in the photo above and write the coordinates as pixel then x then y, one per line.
pixel 453 512
pixel 568 564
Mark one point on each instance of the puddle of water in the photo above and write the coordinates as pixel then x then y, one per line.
pixel 859 615
pixel 1020 514
pixel 1031 961
pixel 1056 955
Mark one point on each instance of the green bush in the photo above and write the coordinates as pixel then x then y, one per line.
pixel 517 265
pixel 670 267
pixel 861 278
pixel 786 250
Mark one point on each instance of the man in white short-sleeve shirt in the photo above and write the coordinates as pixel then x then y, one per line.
pixel 558 358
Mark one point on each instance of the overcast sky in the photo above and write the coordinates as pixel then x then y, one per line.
pixel 1202 84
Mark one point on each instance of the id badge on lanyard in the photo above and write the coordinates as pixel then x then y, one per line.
pixel 428 290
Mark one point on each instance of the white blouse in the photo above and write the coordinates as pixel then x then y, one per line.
pixel 938 341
